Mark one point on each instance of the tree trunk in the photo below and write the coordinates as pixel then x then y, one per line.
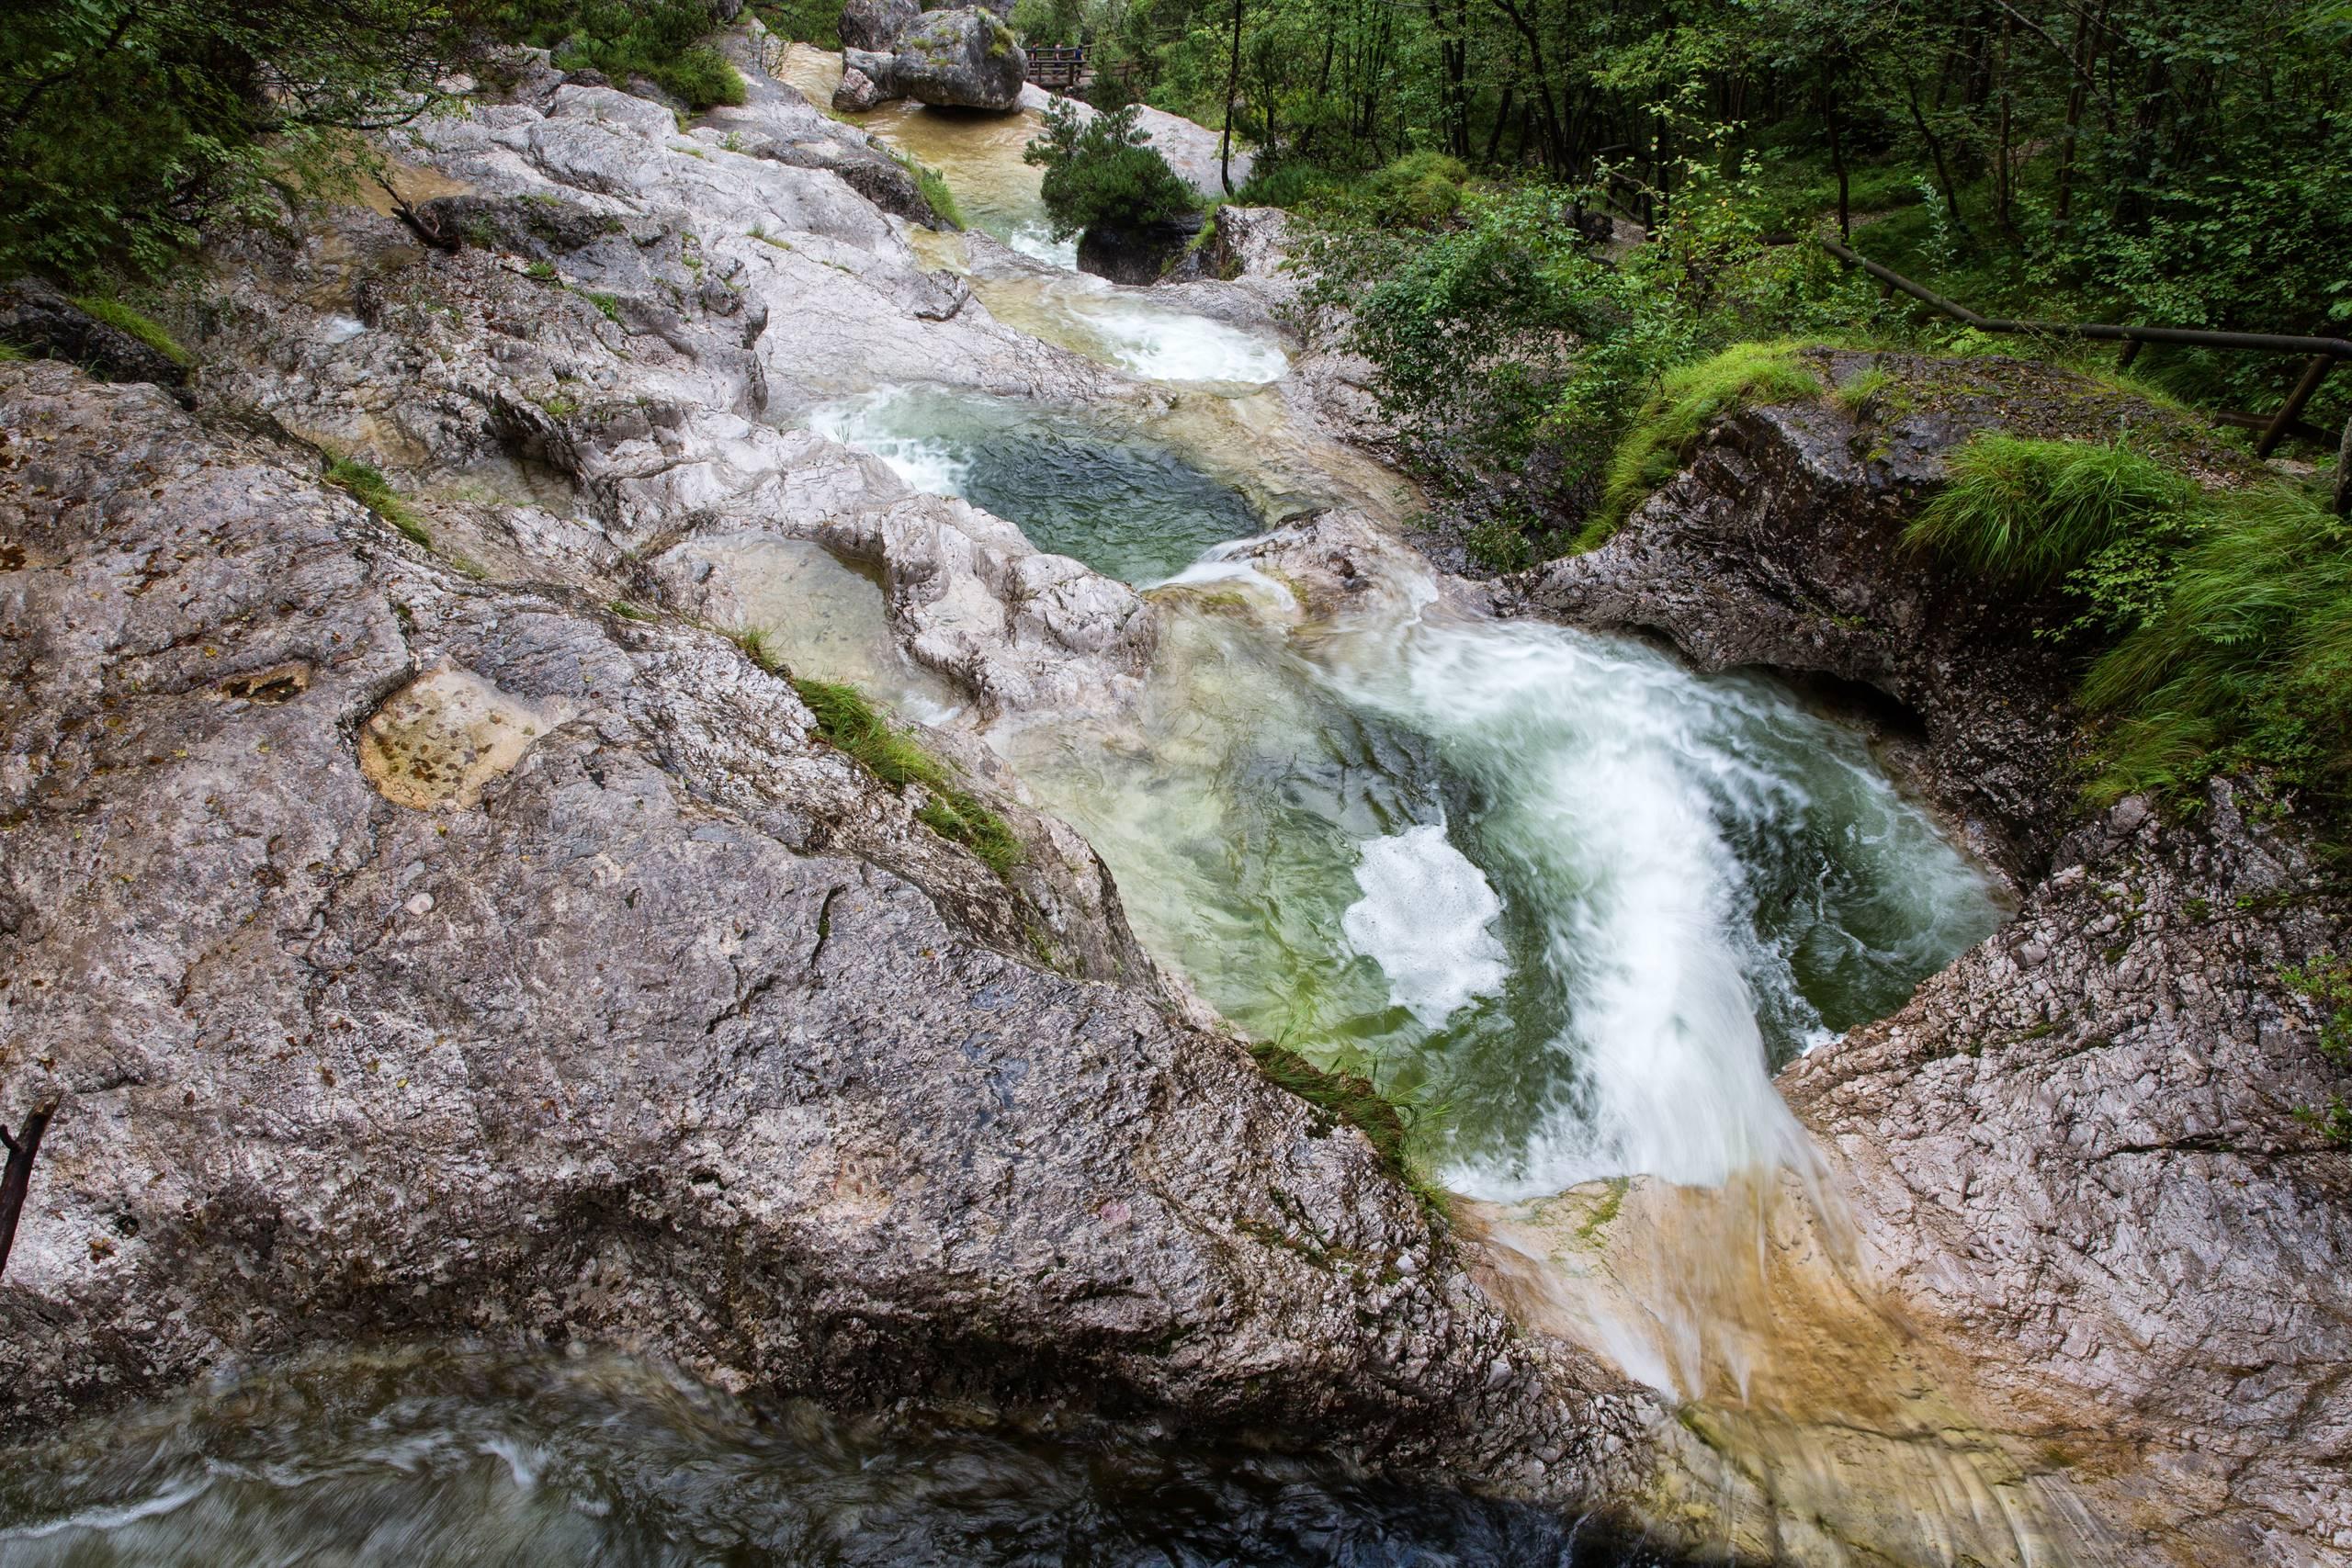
pixel 1232 83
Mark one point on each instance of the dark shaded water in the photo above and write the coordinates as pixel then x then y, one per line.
pixel 428 1457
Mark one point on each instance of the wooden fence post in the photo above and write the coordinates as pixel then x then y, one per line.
pixel 2344 473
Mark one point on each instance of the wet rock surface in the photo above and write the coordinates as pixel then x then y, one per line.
pixel 2076 1152
pixel 662 1024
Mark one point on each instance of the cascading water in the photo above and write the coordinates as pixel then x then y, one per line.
pixel 1553 883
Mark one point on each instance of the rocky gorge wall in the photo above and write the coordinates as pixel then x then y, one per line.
pixel 2075 1154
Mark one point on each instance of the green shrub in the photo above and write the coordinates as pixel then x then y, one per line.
pixel 1689 400
pixel 1422 190
pixel 371 489
pixel 126 124
pixel 1288 183
pixel 848 721
pixel 815 22
pixel 1103 172
pixel 123 318
pixel 1052 23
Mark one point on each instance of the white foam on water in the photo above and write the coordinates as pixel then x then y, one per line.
pixel 1609 780
pixel 1176 345
pixel 870 424
pixel 1427 918
pixel 1036 242
pixel 168 1501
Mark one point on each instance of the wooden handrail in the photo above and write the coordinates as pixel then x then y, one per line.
pixel 2324 351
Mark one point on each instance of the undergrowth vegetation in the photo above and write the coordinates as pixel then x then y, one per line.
pixel 2218 623
pixel 660 39
pixel 854 725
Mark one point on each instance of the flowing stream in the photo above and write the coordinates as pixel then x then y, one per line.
pixel 1567 902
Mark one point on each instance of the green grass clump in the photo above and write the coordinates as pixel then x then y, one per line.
pixel 853 725
pixel 2218 623
pixel 123 318
pixel 371 489
pixel 1856 391
pixel 2028 512
pixel 2246 660
pixel 1356 1101
pixel 934 185
pixel 609 304
pixel 1687 402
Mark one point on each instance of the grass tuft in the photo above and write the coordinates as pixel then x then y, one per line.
pixel 2027 511
pixel 371 489
pixel 2219 621
pixel 1687 402
pixel 853 725
pixel 123 318
pixel 934 185
pixel 1356 1101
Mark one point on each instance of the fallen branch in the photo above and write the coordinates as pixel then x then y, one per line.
pixel 405 211
pixel 18 1178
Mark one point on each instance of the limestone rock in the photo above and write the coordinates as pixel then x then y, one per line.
pixel 858 92
pixel 963 58
pixel 876 24
pixel 2075 1155
pixel 682 1033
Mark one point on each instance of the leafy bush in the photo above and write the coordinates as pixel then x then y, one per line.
pixel 125 124
pixel 1103 172
pixel 1288 183
pixel 815 22
pixel 1419 189
pixel 662 39
pixel 1053 23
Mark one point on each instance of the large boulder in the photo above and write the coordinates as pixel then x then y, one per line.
pixel 876 24
pixel 966 58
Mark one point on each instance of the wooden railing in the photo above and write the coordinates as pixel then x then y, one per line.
pixel 1055 65
pixel 2322 353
